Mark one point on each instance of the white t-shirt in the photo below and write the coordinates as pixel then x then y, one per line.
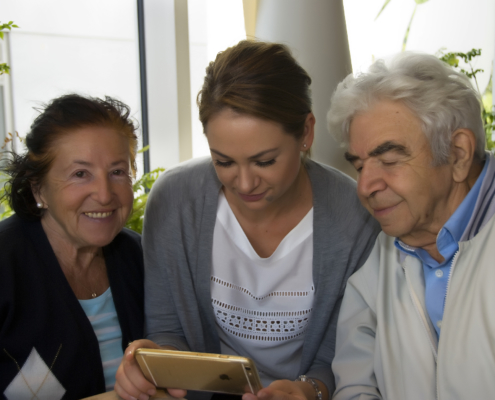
pixel 262 305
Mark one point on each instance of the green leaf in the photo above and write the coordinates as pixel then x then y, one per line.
pixel 406 35
pixel 145 148
pixel 4 69
pixel 472 54
pixel 451 59
pixel 136 219
pixel 383 8
pixel 421 1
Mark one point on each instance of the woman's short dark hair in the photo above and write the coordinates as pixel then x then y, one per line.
pixel 60 117
pixel 258 79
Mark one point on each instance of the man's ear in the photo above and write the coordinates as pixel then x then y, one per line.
pixel 462 153
pixel 309 132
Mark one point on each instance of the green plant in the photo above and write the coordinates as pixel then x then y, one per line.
pixel 406 35
pixel 4 68
pixel 5 209
pixel 141 190
pixel 488 111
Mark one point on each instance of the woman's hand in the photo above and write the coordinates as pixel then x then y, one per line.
pixel 287 390
pixel 130 381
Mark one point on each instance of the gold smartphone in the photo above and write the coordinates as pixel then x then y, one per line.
pixel 199 371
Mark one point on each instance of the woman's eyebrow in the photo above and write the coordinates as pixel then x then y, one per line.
pixel 257 155
pixel 88 164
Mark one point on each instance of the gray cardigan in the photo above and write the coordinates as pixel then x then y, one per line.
pixel 177 242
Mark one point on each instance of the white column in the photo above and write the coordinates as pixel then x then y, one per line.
pixel 315 31
pixel 167 65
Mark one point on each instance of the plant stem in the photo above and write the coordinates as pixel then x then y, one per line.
pixel 404 42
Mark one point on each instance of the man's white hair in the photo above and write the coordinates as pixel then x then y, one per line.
pixel 444 100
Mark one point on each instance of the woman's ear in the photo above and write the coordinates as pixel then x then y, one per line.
pixel 37 194
pixel 309 132
pixel 462 154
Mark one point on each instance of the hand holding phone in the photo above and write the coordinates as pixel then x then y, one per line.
pixel 130 381
pixel 199 371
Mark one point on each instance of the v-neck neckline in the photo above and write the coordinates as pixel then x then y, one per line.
pixel 299 233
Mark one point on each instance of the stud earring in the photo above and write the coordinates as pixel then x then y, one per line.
pixel 304 145
pixel 39 205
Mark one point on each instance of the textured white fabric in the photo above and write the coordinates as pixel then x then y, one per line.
pixel 258 301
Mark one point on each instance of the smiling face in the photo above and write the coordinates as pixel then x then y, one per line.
pixel 87 193
pixel 257 162
pixel 397 183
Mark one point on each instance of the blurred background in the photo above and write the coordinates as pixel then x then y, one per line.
pixel 93 47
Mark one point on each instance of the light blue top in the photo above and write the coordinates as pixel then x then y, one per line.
pixel 103 317
pixel 437 274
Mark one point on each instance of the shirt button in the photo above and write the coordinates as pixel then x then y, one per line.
pixel 439 273
pixel 439 323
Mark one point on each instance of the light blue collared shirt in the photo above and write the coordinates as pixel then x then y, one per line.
pixel 437 274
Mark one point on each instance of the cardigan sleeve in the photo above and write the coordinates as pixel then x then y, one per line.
pixel 176 258
pixel 163 253
pixel 354 360
pixel 344 235
pixel 321 367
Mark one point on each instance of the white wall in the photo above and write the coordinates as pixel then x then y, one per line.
pixel 162 83
pixel 456 25
pixel 89 47
pixel 214 25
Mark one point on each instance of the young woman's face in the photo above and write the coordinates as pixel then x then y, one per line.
pixel 255 159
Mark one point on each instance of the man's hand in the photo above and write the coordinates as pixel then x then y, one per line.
pixel 130 381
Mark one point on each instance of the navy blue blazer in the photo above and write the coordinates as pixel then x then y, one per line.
pixel 39 309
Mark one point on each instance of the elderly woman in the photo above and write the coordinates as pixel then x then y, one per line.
pixel 71 278
pixel 256 230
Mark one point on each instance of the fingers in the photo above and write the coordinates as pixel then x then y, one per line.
pixel 126 396
pixel 130 381
pixel 141 343
pixel 280 390
pixel 249 396
pixel 179 393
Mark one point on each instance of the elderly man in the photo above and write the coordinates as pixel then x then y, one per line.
pixel 418 319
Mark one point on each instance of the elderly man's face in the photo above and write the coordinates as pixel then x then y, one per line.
pixel 397 182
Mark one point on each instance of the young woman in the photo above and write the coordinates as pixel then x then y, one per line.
pixel 248 252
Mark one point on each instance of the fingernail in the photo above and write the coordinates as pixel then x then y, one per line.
pixel 143 397
pixel 132 398
pixel 152 392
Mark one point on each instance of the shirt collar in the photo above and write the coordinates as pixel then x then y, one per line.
pixel 451 233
